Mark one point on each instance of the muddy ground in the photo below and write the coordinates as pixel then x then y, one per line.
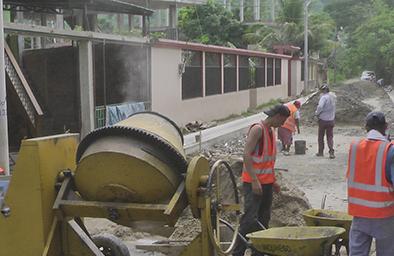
pixel 317 177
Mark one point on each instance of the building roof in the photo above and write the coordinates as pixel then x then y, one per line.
pixel 166 43
pixel 100 6
pixel 160 4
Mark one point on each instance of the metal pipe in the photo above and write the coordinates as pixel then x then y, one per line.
pixel 4 157
pixel 104 82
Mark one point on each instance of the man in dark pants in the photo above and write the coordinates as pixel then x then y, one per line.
pixel 325 112
pixel 258 174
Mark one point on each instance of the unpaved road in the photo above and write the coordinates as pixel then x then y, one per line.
pixel 316 176
pixel 319 176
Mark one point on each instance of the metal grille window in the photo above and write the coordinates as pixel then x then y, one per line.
pixel 192 74
pixel 260 72
pixel 100 116
pixel 213 74
pixel 244 73
pixel 270 72
pixel 278 71
pixel 230 73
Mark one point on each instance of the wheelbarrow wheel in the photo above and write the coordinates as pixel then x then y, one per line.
pixel 110 245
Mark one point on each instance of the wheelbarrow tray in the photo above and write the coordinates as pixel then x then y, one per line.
pixel 319 217
pixel 296 241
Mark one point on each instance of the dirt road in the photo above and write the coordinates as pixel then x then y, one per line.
pixel 319 176
pixel 316 176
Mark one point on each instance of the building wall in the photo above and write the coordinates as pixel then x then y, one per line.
pixel 297 86
pixel 269 93
pixel 126 70
pixel 166 91
pixel 53 76
pixel 167 95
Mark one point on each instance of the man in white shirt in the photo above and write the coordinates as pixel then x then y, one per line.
pixel 325 112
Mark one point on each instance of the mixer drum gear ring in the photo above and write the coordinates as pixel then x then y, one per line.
pixel 174 157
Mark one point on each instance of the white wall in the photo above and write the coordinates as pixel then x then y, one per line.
pixel 166 92
pixel 268 93
pixel 297 86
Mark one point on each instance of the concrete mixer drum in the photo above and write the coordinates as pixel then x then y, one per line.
pixel 138 160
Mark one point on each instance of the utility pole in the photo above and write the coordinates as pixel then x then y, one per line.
pixel 273 11
pixel 241 10
pixel 335 55
pixel 4 160
pixel 256 10
pixel 306 68
pixel 337 40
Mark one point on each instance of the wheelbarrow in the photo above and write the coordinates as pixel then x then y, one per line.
pixel 296 241
pixel 321 217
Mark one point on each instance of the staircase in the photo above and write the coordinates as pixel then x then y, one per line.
pixel 22 88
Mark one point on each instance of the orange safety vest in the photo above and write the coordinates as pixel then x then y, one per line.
pixel 263 156
pixel 370 195
pixel 290 122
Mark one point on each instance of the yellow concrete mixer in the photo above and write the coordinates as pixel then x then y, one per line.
pixel 130 173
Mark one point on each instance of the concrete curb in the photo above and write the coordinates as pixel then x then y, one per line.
pixel 225 131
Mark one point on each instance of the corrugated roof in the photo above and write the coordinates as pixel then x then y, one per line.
pixel 113 6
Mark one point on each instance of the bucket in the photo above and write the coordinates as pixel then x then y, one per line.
pixel 300 147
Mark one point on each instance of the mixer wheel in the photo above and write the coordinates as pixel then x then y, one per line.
pixel 222 207
pixel 110 245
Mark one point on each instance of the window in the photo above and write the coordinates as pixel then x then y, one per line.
pixel 213 74
pixel 278 71
pixel 192 75
pixel 260 72
pixel 302 70
pixel 270 72
pixel 230 73
pixel 244 73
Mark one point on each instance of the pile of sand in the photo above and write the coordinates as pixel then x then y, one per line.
pixel 354 101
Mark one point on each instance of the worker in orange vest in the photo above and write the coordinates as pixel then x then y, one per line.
pixel 370 177
pixel 285 132
pixel 258 174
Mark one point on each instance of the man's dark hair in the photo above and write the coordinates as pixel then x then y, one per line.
pixel 325 87
pixel 278 109
pixel 375 120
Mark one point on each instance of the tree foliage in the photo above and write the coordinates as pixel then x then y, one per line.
pixel 349 13
pixel 322 37
pixel 291 11
pixel 210 24
pixel 373 46
pixel 290 30
pixel 367 41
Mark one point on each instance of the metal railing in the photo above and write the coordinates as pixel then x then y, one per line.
pixel 21 87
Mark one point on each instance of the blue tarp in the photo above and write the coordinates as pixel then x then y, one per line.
pixel 117 113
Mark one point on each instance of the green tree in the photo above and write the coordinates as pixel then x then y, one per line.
pixel 290 30
pixel 322 37
pixel 210 24
pixel 373 46
pixel 291 11
pixel 349 14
